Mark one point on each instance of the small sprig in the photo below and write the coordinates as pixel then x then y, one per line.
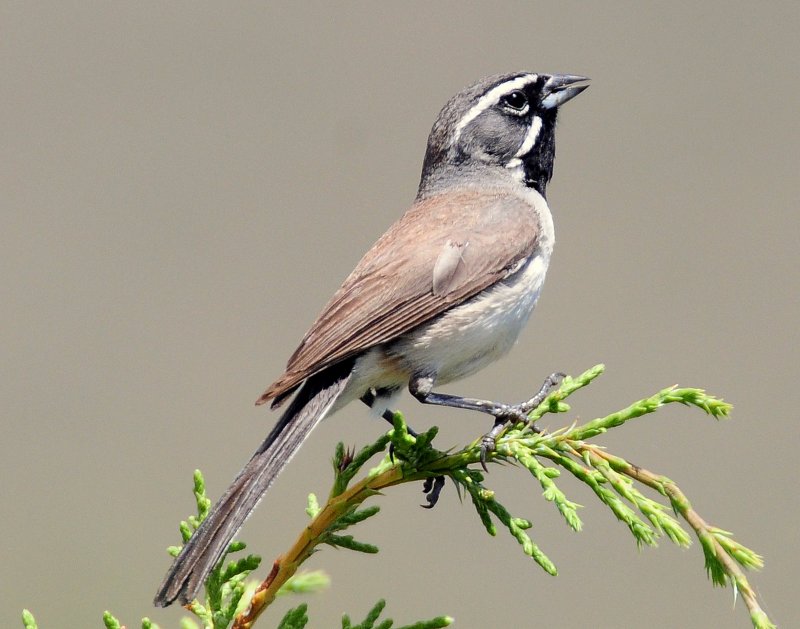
pixel 295 618
pixel 308 582
pixel 226 585
pixel 546 476
pixel 373 616
pixel 689 397
pixel 188 526
pixel 28 621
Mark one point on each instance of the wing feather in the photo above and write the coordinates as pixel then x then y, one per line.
pixel 397 285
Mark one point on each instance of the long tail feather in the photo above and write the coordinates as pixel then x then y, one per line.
pixel 209 541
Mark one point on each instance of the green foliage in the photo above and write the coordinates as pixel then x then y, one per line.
pixel 295 618
pixel 347 519
pixel 618 484
pixel 225 586
pixel 374 615
pixel 189 526
pixel 110 622
pixel 28 621
pixel 308 582
pixel 346 465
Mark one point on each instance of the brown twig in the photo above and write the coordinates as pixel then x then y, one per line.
pixel 681 504
pixel 287 564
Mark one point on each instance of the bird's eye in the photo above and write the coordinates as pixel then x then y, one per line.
pixel 516 100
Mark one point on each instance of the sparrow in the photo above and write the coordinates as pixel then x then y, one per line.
pixel 443 293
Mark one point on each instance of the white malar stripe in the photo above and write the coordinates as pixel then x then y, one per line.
pixel 530 139
pixel 490 98
pixel 515 163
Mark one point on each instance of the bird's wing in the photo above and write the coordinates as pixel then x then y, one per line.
pixel 430 260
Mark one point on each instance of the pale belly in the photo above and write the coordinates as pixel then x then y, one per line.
pixel 456 344
pixel 468 337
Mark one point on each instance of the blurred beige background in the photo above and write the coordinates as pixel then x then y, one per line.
pixel 183 186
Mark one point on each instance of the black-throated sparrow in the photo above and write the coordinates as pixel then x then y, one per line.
pixel 444 292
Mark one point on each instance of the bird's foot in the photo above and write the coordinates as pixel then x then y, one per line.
pixel 432 488
pixel 507 414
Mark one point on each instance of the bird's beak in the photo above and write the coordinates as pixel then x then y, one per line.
pixel 561 88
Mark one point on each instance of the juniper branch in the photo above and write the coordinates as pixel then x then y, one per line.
pixel 612 478
pixel 615 481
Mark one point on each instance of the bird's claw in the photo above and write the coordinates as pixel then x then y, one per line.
pixel 432 488
pixel 487 446
pixel 505 414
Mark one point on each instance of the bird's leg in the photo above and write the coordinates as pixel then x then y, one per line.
pixel 432 487
pixel 421 387
pixel 369 399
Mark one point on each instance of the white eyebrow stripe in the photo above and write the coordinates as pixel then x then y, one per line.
pixel 490 98
pixel 530 139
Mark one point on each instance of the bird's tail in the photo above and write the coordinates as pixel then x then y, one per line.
pixel 209 541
